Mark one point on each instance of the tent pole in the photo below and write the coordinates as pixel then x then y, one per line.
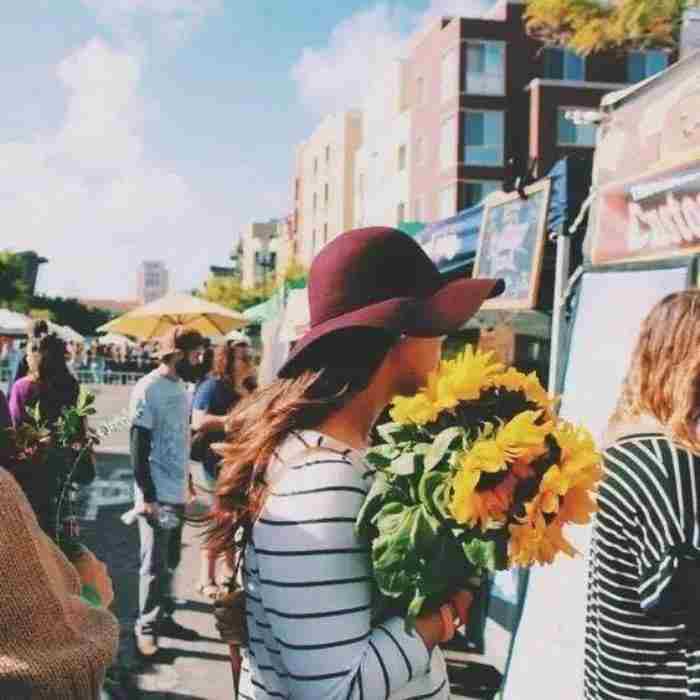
pixel 561 277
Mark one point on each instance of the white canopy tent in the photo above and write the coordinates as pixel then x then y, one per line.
pixel 13 324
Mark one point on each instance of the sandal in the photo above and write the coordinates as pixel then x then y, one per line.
pixel 209 590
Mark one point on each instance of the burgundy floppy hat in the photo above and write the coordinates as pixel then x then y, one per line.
pixel 381 278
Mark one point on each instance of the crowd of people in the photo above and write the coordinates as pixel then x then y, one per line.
pixel 286 464
pixel 92 362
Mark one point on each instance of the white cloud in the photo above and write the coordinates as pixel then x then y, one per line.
pixel 88 197
pixel 137 20
pixel 457 8
pixel 335 77
pixel 338 75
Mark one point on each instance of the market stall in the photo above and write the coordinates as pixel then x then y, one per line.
pixel 642 241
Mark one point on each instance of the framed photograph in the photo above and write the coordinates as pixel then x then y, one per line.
pixel 511 245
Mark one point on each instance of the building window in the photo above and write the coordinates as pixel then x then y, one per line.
pixel 402 157
pixel 486 68
pixel 328 155
pixel 448 142
pixel 449 75
pixel 420 90
pixel 326 195
pixel 419 150
pixel 483 138
pixel 325 233
pixel 571 134
pixel 296 189
pixel 561 64
pixel 313 242
pixel 315 201
pixel 418 209
pixel 643 64
pixel 475 191
pixel 401 213
pixel 315 166
pixel 448 201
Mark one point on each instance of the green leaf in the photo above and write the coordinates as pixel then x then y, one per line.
pixel 433 492
pixel 414 610
pixel 480 553
pixel 381 455
pixel 386 431
pixel 374 501
pixel 405 465
pixel 424 532
pixel 440 445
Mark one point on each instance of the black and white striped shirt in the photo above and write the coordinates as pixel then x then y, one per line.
pixel 308 583
pixel 639 632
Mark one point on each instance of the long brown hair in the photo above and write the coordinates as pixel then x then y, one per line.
pixel 333 370
pixel 223 362
pixel 58 389
pixel 663 380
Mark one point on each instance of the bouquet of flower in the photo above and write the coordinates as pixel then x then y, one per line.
pixel 52 463
pixel 475 474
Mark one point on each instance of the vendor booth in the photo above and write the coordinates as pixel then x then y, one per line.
pixel 641 244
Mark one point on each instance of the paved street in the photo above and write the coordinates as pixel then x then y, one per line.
pixel 183 670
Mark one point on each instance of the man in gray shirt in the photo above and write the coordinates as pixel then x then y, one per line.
pixel 160 454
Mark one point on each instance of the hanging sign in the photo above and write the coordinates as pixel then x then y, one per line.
pixel 648 218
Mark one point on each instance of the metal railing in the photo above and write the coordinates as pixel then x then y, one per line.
pixel 91 376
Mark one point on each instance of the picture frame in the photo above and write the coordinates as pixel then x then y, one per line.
pixel 511 245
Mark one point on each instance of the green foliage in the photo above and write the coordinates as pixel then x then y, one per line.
pixel 591 26
pixel 71 312
pixel 55 460
pixel 419 557
pixel 229 292
pixel 13 287
pixel 14 294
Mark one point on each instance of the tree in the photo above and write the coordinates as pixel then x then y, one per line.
pixel 591 26
pixel 229 292
pixel 296 274
pixel 70 312
pixel 13 286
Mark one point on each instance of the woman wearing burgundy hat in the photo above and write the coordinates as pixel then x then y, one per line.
pixel 293 479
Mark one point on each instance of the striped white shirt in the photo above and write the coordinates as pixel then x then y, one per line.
pixel 308 588
pixel 641 636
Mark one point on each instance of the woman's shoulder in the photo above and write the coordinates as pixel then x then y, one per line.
pixel 308 455
pixel 24 385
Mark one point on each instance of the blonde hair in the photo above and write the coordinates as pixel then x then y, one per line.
pixel 663 380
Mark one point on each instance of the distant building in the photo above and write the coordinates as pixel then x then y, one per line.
pixel 324 182
pixel 382 194
pixel 152 281
pixel 259 248
pixel 482 93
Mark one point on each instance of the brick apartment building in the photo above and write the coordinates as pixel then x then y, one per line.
pixel 482 92
pixel 470 104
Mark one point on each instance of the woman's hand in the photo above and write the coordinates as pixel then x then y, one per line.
pixel 94 573
pixel 440 625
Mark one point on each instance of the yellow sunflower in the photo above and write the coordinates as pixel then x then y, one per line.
pixel 491 453
pixel 469 373
pixel 529 384
pixel 536 541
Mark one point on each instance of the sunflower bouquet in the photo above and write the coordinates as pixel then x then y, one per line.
pixel 475 473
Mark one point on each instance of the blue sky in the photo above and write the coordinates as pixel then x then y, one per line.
pixel 136 129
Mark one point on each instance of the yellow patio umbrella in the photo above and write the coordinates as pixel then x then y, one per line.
pixel 155 319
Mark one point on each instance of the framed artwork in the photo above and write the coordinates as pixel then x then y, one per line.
pixel 511 245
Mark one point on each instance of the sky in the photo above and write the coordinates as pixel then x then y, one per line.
pixel 156 129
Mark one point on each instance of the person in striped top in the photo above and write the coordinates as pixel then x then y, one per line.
pixel 293 479
pixel 643 616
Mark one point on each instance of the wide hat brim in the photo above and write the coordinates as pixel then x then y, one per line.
pixel 443 313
